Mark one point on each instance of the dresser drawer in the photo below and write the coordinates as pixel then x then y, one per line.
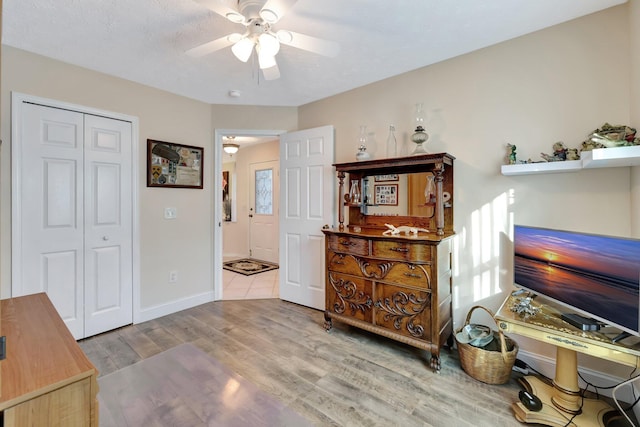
pixel 405 251
pixel 349 296
pixel 415 275
pixel 403 311
pixel 352 245
pixel 343 263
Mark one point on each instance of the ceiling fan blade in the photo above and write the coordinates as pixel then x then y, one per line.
pixel 212 46
pixel 311 44
pixel 223 10
pixel 274 10
pixel 271 73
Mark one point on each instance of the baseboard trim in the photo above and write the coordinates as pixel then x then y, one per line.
pixel 154 312
pixel 547 366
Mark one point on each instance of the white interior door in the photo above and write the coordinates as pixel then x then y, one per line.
pixel 72 232
pixel 50 210
pixel 263 211
pixel 307 204
pixel 107 224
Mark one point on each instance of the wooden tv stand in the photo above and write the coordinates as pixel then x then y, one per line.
pixel 561 399
pixel 46 378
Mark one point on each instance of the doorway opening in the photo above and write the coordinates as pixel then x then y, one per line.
pixel 237 223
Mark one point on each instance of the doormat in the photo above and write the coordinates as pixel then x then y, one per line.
pixel 187 387
pixel 249 266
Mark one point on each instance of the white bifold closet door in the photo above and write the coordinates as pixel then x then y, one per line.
pixel 74 231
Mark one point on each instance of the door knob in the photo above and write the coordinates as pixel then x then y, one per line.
pixel 105 238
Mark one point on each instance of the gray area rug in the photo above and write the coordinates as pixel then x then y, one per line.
pixel 249 266
pixel 186 387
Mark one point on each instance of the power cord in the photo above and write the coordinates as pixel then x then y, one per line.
pixel 524 368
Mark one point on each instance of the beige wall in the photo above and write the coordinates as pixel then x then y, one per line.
pixel 236 234
pixel 184 244
pixel 634 54
pixel 556 84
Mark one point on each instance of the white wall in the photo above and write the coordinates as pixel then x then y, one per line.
pixel 552 85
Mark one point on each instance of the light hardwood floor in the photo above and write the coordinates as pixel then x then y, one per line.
pixel 346 377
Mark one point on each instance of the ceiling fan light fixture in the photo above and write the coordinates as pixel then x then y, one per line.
pixel 266 61
pixel 230 148
pixel 269 16
pixel 242 49
pixel 235 17
pixel 269 44
pixel 284 36
pixel 234 37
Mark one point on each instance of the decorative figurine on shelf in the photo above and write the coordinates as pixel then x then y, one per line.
pixel 572 154
pixel 522 303
pixel 403 229
pixel 611 136
pixel 559 153
pixel 511 154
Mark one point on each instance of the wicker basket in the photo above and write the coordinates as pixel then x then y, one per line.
pixel 491 367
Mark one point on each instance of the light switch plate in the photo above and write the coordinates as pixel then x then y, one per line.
pixel 170 213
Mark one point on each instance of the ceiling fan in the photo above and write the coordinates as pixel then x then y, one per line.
pixel 259 16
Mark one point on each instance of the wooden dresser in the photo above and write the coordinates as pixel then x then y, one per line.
pixel 395 285
pixel 47 380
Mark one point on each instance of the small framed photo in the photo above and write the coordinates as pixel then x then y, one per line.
pixel 174 165
pixel 386 194
pixel 391 177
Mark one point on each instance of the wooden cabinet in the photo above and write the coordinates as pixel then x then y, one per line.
pixel 395 285
pixel 46 378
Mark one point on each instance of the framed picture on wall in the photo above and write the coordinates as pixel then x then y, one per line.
pixel 226 196
pixel 174 165
pixel 386 194
pixel 391 177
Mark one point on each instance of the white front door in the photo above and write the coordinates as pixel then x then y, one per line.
pixel 72 233
pixel 307 204
pixel 263 221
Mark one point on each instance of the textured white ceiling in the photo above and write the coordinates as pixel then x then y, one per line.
pixel 145 40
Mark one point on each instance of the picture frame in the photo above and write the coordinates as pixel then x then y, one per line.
pixel 172 165
pixel 390 177
pixel 386 194
pixel 226 196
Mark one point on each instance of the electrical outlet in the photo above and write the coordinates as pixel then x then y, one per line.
pixel 173 276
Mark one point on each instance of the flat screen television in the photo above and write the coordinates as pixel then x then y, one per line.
pixel 593 275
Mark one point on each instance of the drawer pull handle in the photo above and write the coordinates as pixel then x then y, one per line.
pixel 400 249
pixel 417 276
pixel 346 243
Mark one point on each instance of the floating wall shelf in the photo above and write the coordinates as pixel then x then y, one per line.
pixel 598 158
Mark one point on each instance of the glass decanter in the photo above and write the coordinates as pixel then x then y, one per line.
pixel 392 145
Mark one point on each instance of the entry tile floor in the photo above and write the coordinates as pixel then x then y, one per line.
pixel 257 286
